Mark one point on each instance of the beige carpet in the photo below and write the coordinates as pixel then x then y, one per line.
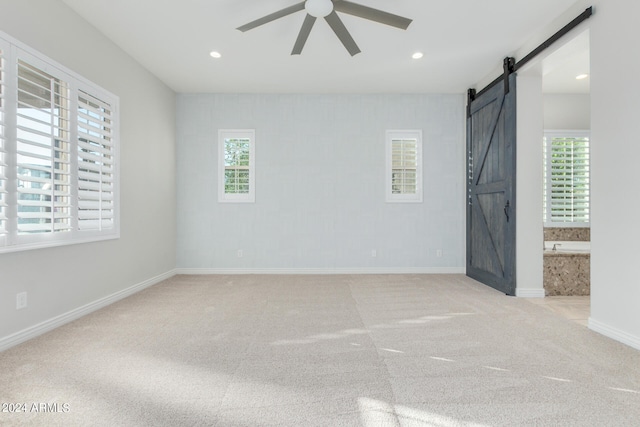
pixel 386 350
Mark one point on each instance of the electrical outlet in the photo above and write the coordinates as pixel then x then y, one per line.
pixel 374 253
pixel 21 300
pixel 439 253
pixel 240 253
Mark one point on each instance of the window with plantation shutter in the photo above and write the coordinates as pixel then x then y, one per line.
pixel 95 163
pixel 236 163
pixel 3 149
pixel 404 166
pixel 43 158
pixel 58 154
pixel 567 175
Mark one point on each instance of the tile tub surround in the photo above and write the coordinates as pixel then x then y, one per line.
pixel 566 273
pixel 576 234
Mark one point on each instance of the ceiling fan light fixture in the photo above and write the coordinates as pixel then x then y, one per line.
pixel 319 8
pixel 327 9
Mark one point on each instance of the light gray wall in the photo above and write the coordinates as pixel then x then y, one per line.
pixel 615 283
pixel 320 201
pixel 615 150
pixel 62 279
pixel 529 235
pixel 567 111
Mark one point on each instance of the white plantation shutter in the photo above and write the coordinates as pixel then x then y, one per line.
pixel 3 145
pixel 567 178
pixel 43 152
pixel 404 166
pixel 95 163
pixel 59 139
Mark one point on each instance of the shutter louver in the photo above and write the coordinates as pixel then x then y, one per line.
pixel 3 153
pixel 43 152
pixel 95 164
pixel 567 179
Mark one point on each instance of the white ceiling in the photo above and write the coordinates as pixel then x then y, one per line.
pixel 462 40
pixel 560 68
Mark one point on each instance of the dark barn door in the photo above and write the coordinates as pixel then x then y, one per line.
pixel 491 150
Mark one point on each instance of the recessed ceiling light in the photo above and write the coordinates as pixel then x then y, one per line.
pixel 215 54
pixel 417 55
pixel 582 76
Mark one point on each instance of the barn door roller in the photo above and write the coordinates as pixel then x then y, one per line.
pixel 509 66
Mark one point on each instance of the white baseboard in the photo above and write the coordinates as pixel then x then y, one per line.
pixel 614 333
pixel 238 271
pixel 55 322
pixel 529 293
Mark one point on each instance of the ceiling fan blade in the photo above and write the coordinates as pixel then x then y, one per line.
pixel 303 35
pixel 371 14
pixel 272 17
pixel 343 34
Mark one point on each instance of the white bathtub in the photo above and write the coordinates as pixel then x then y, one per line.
pixel 568 246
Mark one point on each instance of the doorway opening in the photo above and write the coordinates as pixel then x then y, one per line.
pixel 566 79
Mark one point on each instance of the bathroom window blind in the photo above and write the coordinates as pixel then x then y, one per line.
pixel 567 178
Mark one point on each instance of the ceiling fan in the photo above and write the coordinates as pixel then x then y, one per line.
pixel 327 9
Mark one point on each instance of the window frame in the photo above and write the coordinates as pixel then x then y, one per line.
pixel 548 136
pixel 394 135
pixel 223 196
pixel 15 240
pixel 5 54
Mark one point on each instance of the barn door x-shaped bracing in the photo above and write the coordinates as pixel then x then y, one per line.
pixel 491 150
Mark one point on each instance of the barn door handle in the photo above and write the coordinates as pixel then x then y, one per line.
pixel 506 210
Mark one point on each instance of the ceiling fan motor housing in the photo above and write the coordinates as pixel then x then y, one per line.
pixel 327 9
pixel 318 8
